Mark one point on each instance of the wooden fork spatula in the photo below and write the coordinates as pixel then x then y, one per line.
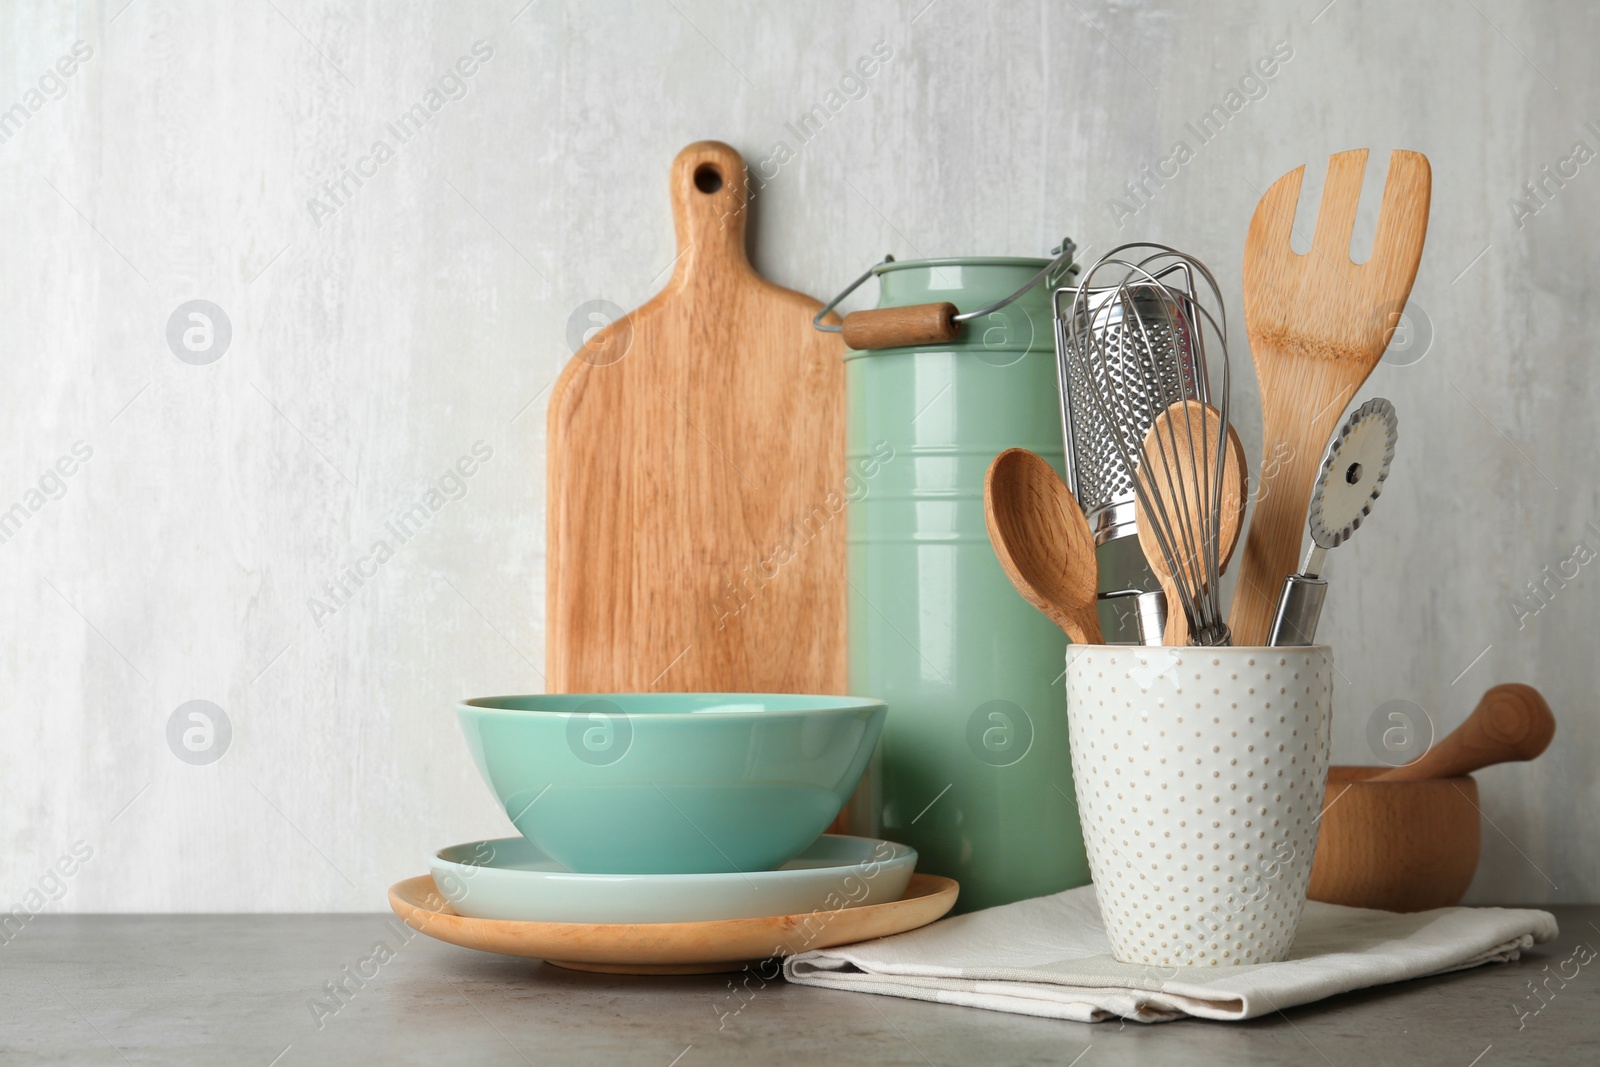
pixel 1318 324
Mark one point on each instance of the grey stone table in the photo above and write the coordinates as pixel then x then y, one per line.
pixel 253 990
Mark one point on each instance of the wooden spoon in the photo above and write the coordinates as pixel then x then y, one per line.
pixel 1318 324
pixel 1043 541
pixel 1512 722
pixel 1179 480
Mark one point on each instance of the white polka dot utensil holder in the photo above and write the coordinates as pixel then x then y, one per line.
pixel 1200 774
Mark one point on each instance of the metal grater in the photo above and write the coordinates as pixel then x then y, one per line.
pixel 1153 345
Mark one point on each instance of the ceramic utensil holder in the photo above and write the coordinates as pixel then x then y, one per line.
pixel 1200 775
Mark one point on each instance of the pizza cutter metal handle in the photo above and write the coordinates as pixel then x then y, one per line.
pixel 1352 476
pixel 1299 608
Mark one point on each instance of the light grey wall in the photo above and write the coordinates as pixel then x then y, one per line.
pixel 374 341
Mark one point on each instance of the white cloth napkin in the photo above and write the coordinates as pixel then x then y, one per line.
pixel 1050 957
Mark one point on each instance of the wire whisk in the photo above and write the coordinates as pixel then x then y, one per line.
pixel 1147 323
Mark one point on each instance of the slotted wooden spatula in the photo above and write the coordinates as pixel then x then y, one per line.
pixel 1318 324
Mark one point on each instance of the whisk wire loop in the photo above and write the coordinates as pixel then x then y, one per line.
pixel 1129 352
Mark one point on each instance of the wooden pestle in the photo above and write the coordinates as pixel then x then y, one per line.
pixel 1512 722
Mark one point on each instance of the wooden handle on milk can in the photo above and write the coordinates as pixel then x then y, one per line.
pixel 916 324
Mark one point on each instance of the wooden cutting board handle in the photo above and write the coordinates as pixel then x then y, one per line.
pixel 709 211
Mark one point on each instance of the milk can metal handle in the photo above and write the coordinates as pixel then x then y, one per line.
pixel 921 323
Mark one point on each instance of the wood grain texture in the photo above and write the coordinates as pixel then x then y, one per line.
pixel 1407 838
pixel 1318 324
pixel 915 324
pixel 1396 846
pixel 671 948
pixel 371 350
pixel 1178 472
pixel 1511 723
pixel 696 470
pixel 1043 542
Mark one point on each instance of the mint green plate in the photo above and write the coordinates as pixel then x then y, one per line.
pixel 671 783
pixel 512 879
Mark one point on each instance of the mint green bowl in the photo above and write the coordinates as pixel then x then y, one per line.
pixel 671 783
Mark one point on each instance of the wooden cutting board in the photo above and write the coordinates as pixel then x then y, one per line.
pixel 696 476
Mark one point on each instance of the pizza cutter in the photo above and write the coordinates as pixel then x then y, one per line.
pixel 1351 478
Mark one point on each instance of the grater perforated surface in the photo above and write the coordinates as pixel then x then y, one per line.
pixel 1147 365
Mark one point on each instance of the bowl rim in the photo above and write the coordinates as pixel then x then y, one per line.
pixel 486 705
pixel 901 855
pixel 1362 774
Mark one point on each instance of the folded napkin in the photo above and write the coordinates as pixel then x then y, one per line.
pixel 1050 957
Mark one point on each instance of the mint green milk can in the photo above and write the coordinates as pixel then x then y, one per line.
pixel 973 769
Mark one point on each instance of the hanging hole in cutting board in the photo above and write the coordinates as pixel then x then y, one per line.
pixel 707 178
pixel 1353 475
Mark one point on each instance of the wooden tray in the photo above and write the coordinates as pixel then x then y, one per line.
pixel 670 948
pixel 696 477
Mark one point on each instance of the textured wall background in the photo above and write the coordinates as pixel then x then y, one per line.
pixel 377 336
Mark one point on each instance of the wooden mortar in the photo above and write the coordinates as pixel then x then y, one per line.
pixel 1395 846
pixel 1406 838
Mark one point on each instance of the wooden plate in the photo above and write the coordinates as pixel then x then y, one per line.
pixel 670 948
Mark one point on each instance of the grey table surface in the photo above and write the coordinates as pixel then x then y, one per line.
pixel 243 989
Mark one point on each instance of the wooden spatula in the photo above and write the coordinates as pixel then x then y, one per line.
pixel 1318 325
pixel 1043 541
pixel 1174 473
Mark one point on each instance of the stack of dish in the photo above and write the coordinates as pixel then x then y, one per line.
pixel 670 833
